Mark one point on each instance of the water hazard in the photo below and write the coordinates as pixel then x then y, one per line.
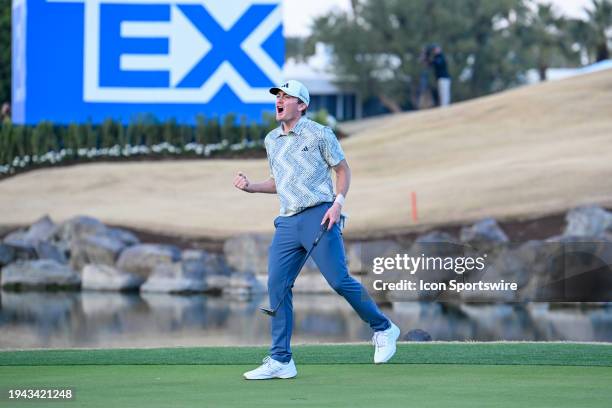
pixel 100 319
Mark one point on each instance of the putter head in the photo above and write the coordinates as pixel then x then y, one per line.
pixel 267 311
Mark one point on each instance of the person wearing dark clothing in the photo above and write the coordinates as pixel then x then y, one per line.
pixel 438 63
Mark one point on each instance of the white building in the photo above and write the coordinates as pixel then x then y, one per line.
pixel 316 74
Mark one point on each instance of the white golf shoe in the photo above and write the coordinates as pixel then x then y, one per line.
pixel 272 369
pixel 385 344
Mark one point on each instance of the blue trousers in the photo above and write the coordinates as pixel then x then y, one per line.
pixel 293 237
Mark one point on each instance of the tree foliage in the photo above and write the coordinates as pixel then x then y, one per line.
pixel 489 45
pixel 5 51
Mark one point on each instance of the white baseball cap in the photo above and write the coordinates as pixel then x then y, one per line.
pixel 293 88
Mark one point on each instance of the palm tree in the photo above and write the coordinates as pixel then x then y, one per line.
pixel 546 39
pixel 600 24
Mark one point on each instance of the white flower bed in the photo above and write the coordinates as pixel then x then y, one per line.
pixel 54 157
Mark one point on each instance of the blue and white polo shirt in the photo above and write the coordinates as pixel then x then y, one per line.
pixel 301 162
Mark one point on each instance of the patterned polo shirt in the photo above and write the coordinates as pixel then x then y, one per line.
pixel 301 162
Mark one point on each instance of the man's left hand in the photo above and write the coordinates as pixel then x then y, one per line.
pixel 333 215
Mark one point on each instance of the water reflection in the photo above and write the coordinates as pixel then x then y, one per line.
pixel 100 319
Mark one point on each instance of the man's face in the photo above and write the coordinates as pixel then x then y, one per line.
pixel 287 107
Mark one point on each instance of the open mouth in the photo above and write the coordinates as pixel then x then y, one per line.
pixel 279 109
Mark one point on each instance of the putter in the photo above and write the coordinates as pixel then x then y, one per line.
pixel 272 312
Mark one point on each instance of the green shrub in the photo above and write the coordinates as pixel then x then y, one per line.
pixel 19 141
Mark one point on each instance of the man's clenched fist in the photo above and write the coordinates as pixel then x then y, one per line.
pixel 241 182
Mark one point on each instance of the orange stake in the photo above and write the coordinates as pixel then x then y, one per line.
pixel 414 205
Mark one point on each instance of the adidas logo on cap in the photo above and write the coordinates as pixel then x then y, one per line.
pixel 293 88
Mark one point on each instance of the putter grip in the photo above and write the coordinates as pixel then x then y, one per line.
pixel 323 229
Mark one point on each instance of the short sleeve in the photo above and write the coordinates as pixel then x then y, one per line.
pixel 268 154
pixel 330 148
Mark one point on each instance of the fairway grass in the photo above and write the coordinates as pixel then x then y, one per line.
pixel 421 375
pixel 335 385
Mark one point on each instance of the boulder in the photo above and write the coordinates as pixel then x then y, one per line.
pixel 39 274
pixel 243 284
pixel 22 249
pixel 575 269
pixel 435 237
pixel 41 230
pixel 141 259
pixel 483 234
pixel 7 254
pixel 25 240
pixel 47 250
pixel 516 264
pixel 214 264
pixel 248 253
pixel 95 249
pixel 78 227
pixel 588 221
pixel 360 255
pixel 105 277
pixel 439 248
pixel 122 235
pixel 179 277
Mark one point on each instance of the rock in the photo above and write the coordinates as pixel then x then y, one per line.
pixel 41 230
pixel 436 237
pixel 248 253
pixel 360 255
pixel 179 277
pixel 575 269
pixel 39 274
pixel 141 259
pixel 440 248
pixel 512 264
pixel 417 335
pixel 25 240
pixel 243 284
pixel 95 249
pixel 484 233
pixel 47 250
pixel 16 237
pixel 105 277
pixel 214 264
pixel 7 254
pixel 78 227
pixel 122 235
pixel 588 221
pixel 23 249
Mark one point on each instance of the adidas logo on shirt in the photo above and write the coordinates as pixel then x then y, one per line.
pixel 305 149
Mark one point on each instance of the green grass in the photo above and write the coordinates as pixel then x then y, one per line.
pixel 578 354
pixel 422 375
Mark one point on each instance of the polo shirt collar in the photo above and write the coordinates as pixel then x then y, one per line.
pixel 297 129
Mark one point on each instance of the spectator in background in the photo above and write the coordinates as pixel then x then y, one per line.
pixel 426 95
pixel 437 62
pixel 5 114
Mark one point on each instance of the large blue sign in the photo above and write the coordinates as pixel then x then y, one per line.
pixel 89 60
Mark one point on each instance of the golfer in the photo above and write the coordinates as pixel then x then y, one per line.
pixel 301 154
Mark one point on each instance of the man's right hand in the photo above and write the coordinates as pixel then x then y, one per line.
pixel 241 182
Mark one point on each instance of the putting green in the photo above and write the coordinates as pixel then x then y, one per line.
pixel 522 374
